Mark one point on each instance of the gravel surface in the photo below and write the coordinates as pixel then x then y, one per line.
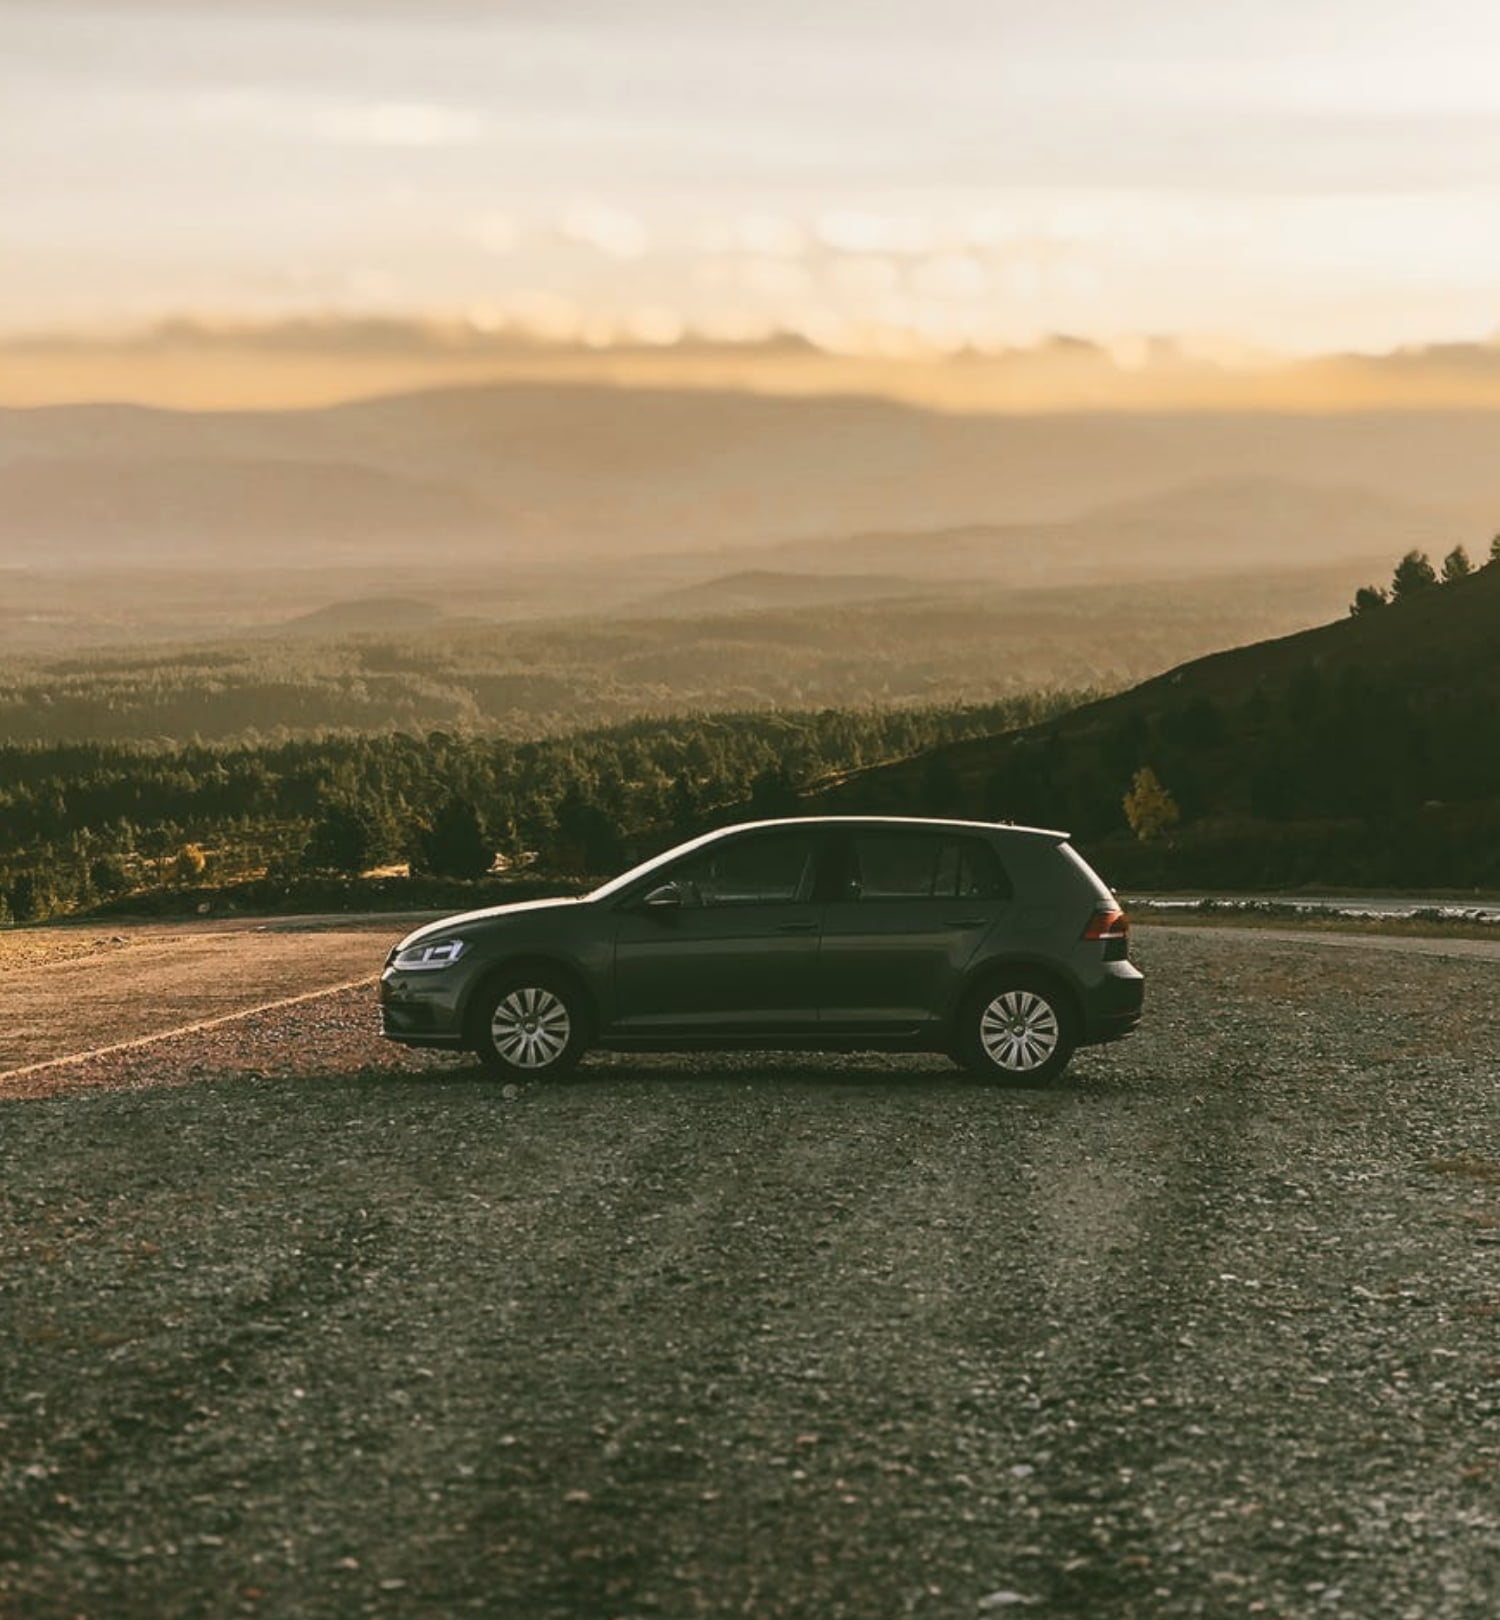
pixel 1210 1328
pixel 64 992
pixel 1443 940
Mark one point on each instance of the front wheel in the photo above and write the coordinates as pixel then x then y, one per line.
pixel 530 1027
pixel 1019 1031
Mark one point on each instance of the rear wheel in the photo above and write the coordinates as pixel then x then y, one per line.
pixel 1017 1030
pixel 530 1026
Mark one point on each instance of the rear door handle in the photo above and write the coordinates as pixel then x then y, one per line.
pixel 966 922
pixel 795 928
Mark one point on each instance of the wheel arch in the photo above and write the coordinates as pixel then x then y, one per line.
pixel 998 968
pixel 540 963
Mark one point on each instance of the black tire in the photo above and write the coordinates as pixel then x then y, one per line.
pixel 530 1026
pixel 1020 1030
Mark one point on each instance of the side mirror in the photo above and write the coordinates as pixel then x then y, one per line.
pixel 667 898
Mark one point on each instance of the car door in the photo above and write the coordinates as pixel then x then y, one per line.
pixel 737 955
pixel 910 909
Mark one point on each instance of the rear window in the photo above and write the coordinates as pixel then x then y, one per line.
pixel 924 866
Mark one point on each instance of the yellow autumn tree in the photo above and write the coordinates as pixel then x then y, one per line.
pixel 188 864
pixel 1149 808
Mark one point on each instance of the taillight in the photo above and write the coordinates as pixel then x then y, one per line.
pixel 1108 922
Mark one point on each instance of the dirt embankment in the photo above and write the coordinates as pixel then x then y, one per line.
pixel 1209 1329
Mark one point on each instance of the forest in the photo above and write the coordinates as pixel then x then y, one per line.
pixel 88 823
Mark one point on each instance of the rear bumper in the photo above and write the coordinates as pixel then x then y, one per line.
pixel 1114 1005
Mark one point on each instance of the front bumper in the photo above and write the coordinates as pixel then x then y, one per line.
pixel 417 1011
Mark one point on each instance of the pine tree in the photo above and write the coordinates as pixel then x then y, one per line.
pixel 1414 573
pixel 108 876
pixel 1456 566
pixel 456 844
pixel 31 897
pixel 347 838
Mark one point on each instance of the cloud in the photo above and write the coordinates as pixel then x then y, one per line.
pixel 851 230
pixel 864 279
pixel 528 323
pixel 418 124
pixel 931 356
pixel 608 230
pixel 770 236
pixel 496 233
pixel 950 276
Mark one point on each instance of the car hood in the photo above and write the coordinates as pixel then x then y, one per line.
pixel 467 921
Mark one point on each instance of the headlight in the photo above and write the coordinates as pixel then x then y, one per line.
pixel 430 953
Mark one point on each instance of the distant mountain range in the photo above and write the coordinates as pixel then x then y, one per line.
pixel 516 474
pixel 1210 526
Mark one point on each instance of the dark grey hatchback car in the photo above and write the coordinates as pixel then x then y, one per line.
pixel 996 944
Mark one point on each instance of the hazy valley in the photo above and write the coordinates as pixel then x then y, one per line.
pixel 523 558
pixel 603 615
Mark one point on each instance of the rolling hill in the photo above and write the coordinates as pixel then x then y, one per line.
pixel 755 589
pixel 400 661
pixel 366 616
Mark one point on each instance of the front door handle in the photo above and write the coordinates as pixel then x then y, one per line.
pixel 794 928
pixel 966 922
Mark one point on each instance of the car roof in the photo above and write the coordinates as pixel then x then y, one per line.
pixel 1009 828
pixel 636 874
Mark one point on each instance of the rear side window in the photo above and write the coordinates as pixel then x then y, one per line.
pixel 924 866
pixel 980 873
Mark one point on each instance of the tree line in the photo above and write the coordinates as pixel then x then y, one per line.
pixel 82 822
pixel 1415 574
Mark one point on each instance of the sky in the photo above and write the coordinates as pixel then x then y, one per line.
pixel 880 177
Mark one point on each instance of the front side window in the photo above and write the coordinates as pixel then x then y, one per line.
pixel 750 871
pixel 924 866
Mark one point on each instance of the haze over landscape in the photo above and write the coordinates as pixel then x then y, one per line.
pixel 444 300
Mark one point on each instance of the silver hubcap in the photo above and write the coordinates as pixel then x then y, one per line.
pixel 530 1028
pixel 1019 1031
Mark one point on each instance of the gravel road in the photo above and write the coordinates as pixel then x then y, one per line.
pixel 64 991
pixel 297 1325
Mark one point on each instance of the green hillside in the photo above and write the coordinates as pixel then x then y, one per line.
pixel 1362 752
